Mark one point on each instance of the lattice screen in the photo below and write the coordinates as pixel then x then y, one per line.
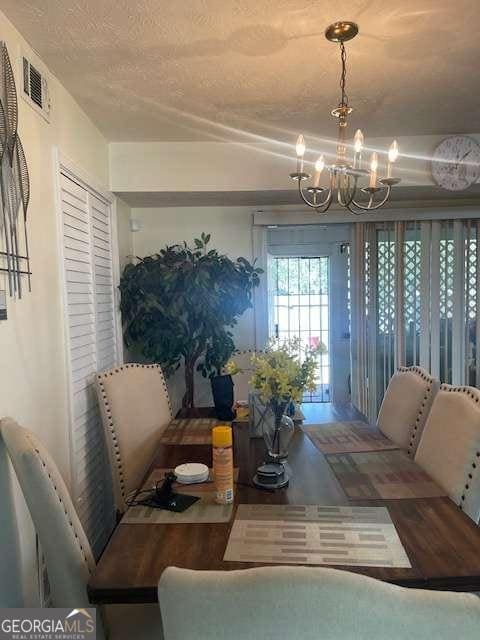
pixel 412 293
pixel 421 285
pixel 385 320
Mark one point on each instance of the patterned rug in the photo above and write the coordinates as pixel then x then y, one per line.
pixel 347 437
pixel 382 474
pixel 189 431
pixel 315 535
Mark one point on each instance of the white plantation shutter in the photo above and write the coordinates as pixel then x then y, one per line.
pixel 92 347
pixel 104 285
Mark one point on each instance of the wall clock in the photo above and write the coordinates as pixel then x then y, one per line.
pixel 456 163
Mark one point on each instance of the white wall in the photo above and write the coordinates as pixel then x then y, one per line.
pixel 125 240
pixel 230 228
pixel 256 166
pixel 32 373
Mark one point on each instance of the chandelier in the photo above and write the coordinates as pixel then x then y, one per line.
pixel 345 174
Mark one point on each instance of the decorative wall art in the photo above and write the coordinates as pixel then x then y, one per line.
pixel 14 185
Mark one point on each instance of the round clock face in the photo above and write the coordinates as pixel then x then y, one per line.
pixel 456 163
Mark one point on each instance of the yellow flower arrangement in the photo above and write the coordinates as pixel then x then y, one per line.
pixel 284 371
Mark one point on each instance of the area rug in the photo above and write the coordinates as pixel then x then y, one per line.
pixel 382 474
pixel 347 437
pixel 189 431
pixel 315 535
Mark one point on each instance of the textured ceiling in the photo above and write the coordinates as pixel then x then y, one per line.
pixel 209 69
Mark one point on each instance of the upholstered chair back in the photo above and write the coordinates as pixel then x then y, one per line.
pixel 135 409
pixel 449 450
pixel 64 543
pixel 405 406
pixel 241 386
pixel 310 603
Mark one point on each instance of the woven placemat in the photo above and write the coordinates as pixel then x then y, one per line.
pixel 315 535
pixel 205 510
pixel 347 437
pixel 189 431
pixel 382 474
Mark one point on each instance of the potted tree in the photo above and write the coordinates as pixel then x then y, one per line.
pixel 179 306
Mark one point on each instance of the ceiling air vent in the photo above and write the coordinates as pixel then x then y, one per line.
pixel 35 89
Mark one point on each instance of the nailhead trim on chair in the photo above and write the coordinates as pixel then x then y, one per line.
pixel 108 411
pixel 473 394
pixel 70 523
pixel 422 374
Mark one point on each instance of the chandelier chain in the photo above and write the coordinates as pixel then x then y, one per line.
pixel 343 76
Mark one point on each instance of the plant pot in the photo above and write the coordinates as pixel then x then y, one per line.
pixel 222 391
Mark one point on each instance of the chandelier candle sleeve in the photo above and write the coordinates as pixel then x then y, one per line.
pixel 319 165
pixel 373 170
pixel 392 156
pixel 358 146
pixel 223 463
pixel 300 149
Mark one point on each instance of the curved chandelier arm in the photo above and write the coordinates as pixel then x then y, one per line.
pixel 320 207
pixel 370 206
pixel 359 212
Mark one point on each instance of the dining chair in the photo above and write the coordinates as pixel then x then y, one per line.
pixel 135 408
pixel 241 380
pixel 405 406
pixel 449 450
pixel 310 603
pixel 67 551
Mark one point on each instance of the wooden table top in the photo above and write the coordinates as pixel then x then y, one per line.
pixel 443 544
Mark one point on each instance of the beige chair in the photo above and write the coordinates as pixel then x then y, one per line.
pixel 308 603
pixel 135 409
pixel 241 386
pixel 405 406
pixel 67 551
pixel 449 450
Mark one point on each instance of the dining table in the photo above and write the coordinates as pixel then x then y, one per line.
pixel 442 542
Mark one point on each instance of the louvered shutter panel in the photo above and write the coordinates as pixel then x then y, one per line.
pixel 90 330
pixel 104 285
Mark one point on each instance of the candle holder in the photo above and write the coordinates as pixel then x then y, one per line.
pixel 372 190
pixel 300 175
pixel 389 182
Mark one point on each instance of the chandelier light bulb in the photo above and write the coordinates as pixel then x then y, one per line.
pixel 320 164
pixel 358 141
pixel 300 146
pixel 393 151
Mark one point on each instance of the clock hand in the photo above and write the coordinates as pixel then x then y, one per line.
pixel 460 160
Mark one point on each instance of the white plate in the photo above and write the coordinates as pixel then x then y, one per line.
pixel 191 472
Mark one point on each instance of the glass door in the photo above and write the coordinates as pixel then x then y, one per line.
pixel 301 309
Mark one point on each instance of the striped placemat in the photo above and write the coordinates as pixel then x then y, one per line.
pixel 347 437
pixel 315 535
pixel 382 474
pixel 189 431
